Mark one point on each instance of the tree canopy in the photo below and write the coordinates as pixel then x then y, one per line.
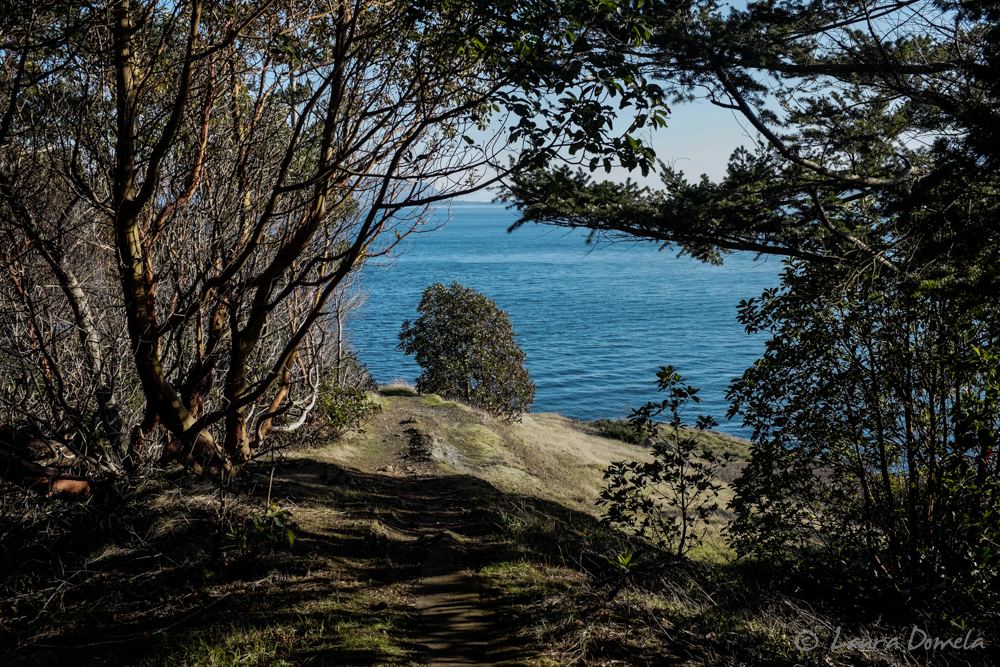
pixel 184 186
pixel 874 126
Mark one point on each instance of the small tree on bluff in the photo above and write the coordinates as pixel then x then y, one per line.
pixel 465 346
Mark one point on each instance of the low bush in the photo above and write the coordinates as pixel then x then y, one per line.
pixel 466 348
pixel 671 498
pixel 345 408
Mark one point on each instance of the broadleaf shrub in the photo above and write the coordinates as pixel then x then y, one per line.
pixel 670 499
pixel 875 418
pixel 466 348
pixel 267 528
pixel 345 408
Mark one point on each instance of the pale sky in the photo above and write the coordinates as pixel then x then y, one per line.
pixel 698 139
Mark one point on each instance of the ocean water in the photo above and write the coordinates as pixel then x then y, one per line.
pixel 595 324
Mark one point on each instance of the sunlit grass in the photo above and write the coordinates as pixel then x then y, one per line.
pixel 398 387
pixel 329 637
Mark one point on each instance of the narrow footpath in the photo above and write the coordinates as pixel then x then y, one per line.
pixel 454 626
pixel 455 629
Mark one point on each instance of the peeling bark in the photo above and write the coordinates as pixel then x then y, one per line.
pixel 18 447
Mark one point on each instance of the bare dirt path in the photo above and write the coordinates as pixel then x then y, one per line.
pixel 455 628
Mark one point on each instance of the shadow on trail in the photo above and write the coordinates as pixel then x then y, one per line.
pixel 136 585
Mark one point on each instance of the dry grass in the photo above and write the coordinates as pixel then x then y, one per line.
pixel 545 456
pixel 135 583
pixel 398 387
pixel 548 455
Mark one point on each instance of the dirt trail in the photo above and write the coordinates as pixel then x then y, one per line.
pixel 455 628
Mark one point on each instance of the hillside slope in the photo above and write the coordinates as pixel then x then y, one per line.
pixel 434 535
pixel 545 455
pixel 431 507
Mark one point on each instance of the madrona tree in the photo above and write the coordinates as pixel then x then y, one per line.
pixel 184 186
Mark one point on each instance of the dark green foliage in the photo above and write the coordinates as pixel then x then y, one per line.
pixel 268 528
pixel 835 176
pixel 668 499
pixel 466 348
pixel 875 417
pixel 620 429
pixel 567 89
pixel 345 408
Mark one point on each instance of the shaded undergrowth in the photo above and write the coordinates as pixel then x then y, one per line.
pixel 556 579
pixel 158 577
pixel 142 582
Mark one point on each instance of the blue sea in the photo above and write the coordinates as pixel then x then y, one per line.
pixel 595 323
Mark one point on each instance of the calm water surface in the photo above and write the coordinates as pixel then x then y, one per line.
pixel 595 324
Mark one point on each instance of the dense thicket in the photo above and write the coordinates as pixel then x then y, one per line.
pixel 874 170
pixel 874 410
